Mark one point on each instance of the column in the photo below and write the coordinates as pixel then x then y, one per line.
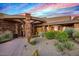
pixel 28 27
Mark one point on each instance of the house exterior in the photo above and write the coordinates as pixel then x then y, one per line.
pixel 19 25
pixel 28 26
pixel 60 23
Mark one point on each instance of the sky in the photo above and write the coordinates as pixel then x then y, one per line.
pixel 40 9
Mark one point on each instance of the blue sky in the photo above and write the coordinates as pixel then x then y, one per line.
pixel 40 9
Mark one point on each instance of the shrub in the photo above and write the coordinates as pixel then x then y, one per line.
pixel 35 53
pixel 60 46
pixel 32 42
pixel 6 36
pixel 76 34
pixel 62 36
pixel 50 34
pixel 69 31
pixel 41 34
pixel 68 45
pixel 64 42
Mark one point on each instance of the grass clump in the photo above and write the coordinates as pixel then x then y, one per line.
pixel 65 45
pixel 60 46
pixel 36 53
pixel 68 45
pixel 33 41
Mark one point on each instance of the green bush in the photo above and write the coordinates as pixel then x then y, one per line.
pixel 62 36
pixel 50 34
pixel 70 32
pixel 76 34
pixel 68 45
pixel 64 42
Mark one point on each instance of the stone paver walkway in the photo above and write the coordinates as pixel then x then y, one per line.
pixel 12 48
pixel 45 47
pixel 16 48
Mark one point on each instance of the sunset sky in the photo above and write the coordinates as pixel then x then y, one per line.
pixel 40 9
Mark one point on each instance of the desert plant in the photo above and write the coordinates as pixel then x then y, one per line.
pixel 68 45
pixel 36 53
pixel 70 32
pixel 60 46
pixel 65 45
pixel 62 36
pixel 6 36
pixel 41 34
pixel 50 34
pixel 76 34
pixel 33 41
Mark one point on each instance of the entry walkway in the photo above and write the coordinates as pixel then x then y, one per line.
pixel 16 48
pixel 12 48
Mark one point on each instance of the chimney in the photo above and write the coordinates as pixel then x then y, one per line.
pixel 28 16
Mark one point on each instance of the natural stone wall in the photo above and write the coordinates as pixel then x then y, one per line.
pixel 28 26
pixel 6 25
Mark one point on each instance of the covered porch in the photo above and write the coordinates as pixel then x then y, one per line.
pixel 61 25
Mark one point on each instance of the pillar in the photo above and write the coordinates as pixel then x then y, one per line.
pixel 16 30
pixel 43 28
pixel 28 27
